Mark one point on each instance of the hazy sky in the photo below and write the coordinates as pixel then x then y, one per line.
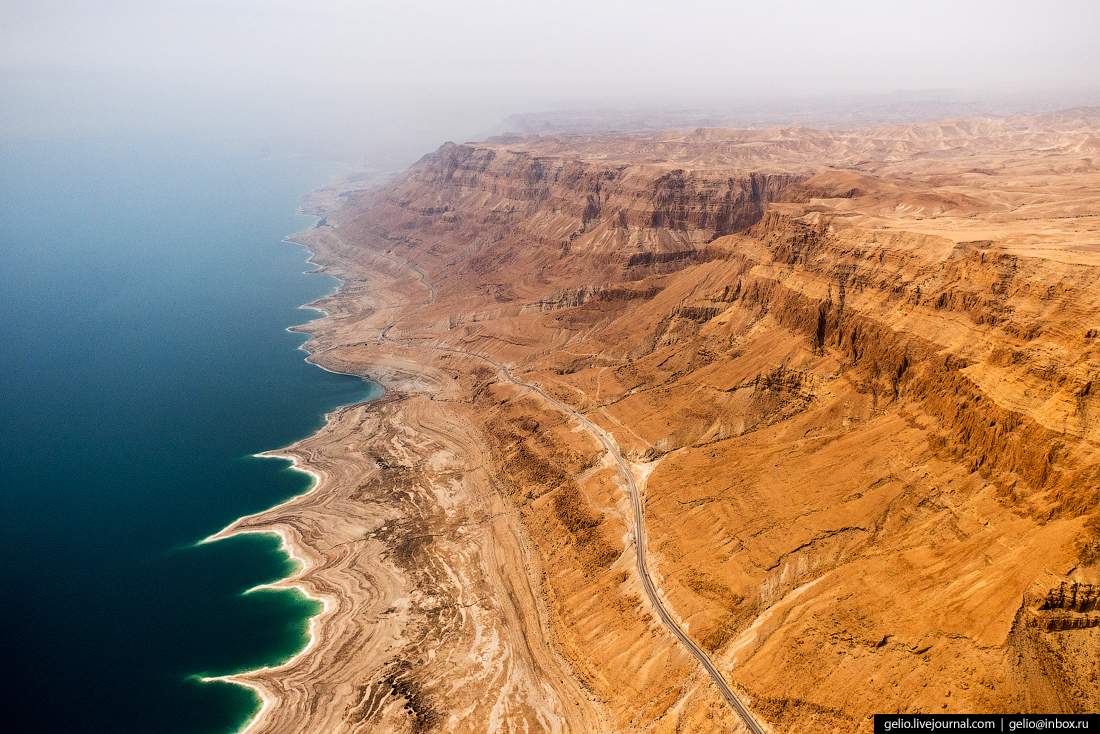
pixel 424 68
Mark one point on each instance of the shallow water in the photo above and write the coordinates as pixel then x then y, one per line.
pixel 144 360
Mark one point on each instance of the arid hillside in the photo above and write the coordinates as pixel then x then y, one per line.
pixel 856 377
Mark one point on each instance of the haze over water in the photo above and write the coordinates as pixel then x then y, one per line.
pixel 145 359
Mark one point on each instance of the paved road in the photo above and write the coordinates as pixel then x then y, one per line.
pixel 639 545
pixel 639 513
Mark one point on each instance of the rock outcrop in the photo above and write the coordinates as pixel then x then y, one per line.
pixel 1070 606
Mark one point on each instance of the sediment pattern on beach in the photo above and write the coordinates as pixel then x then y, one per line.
pixel 431 616
pixel 419 578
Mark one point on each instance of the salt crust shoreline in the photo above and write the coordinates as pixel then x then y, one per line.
pixel 286 544
pixel 539 680
pixel 285 584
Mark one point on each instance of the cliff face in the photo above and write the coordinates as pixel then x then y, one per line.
pixel 857 369
pixel 999 349
pixel 504 210
pixel 652 196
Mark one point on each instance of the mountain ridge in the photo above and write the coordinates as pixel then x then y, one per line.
pixel 853 373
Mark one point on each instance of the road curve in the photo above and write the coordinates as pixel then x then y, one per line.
pixel 639 515
pixel 639 545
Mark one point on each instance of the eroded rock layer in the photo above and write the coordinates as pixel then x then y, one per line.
pixel 855 374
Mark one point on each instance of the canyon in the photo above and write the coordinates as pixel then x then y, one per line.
pixel 844 378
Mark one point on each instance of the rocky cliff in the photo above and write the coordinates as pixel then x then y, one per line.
pixel 855 371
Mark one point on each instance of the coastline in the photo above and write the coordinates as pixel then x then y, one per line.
pixel 426 582
pixel 296 551
pixel 285 584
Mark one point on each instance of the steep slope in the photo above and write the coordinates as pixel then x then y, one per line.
pixel 854 372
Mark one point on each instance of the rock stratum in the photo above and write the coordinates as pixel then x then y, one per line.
pixel 855 378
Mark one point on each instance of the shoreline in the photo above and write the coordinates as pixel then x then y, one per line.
pixel 294 551
pixel 285 584
pixel 426 580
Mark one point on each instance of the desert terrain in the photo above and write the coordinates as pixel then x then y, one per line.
pixel 839 383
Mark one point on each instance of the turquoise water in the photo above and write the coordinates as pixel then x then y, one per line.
pixel 145 359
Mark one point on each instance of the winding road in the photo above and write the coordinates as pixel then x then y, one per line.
pixel 639 515
pixel 639 545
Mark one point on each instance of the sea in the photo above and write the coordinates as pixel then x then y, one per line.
pixel 147 292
